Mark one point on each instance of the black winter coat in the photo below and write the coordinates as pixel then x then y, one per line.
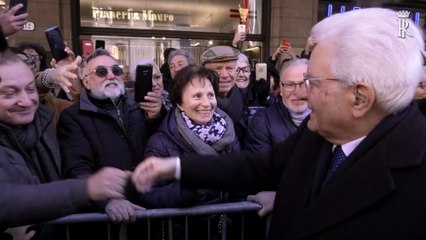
pixel 166 142
pixel 269 127
pixel 91 139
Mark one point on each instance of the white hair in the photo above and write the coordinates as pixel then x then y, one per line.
pixel 144 62
pixel 294 62
pixel 366 48
pixel 243 57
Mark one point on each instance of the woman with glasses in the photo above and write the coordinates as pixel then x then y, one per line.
pixel 157 80
pixel 36 53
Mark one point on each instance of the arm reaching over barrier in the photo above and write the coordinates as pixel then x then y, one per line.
pixel 154 169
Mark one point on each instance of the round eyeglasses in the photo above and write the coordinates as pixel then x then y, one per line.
pixel 102 71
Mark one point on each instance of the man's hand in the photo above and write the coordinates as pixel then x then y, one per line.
pixel 11 23
pixel 153 105
pixel 266 199
pixel 153 169
pixel 64 75
pixel 122 211
pixel 107 183
pixel 20 233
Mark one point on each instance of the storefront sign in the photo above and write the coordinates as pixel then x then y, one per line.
pixel 145 15
pixel 29 26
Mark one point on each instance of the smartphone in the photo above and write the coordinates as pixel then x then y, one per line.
pixel 22 10
pixel 241 28
pixel 285 42
pixel 56 43
pixel 261 71
pixel 143 82
pixel 99 44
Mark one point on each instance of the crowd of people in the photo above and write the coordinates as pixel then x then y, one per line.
pixel 331 144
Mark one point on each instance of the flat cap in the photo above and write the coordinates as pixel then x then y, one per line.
pixel 219 54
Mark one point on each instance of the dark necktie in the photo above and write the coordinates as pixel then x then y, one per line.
pixel 337 158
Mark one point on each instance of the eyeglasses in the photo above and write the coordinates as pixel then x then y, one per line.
pixel 244 70
pixel 30 63
pixel 310 80
pixel 422 85
pixel 34 57
pixel 102 71
pixel 290 87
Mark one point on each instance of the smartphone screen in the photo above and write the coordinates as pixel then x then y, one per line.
pixel 261 71
pixel 285 42
pixel 56 43
pixel 22 10
pixel 143 82
pixel 241 28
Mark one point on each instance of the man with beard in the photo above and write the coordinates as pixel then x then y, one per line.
pixel 106 128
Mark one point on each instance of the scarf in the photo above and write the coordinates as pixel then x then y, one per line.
pixel 298 117
pixel 212 138
pixel 29 142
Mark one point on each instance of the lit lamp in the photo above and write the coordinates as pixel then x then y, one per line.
pixel 243 14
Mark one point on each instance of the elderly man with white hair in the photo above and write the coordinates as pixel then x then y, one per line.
pixel 355 168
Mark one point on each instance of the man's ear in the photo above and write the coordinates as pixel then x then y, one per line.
pixel 363 100
pixel 85 82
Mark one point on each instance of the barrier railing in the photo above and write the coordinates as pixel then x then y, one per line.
pixel 169 214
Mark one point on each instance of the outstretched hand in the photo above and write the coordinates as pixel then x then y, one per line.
pixel 107 183
pixel 153 169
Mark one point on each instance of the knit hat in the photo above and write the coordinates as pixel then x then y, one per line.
pixel 219 54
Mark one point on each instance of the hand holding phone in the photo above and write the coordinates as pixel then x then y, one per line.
pixel 261 71
pixel 56 43
pixel 143 82
pixel 285 42
pixel 22 10
pixel 242 28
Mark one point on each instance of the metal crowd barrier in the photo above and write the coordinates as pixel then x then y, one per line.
pixel 169 215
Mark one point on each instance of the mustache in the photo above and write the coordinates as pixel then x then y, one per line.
pixel 114 81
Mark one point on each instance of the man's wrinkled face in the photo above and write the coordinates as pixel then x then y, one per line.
pixel 103 78
pixel 227 72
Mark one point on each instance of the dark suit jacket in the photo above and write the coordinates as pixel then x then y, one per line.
pixel 379 192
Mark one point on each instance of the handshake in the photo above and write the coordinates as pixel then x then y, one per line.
pixel 110 182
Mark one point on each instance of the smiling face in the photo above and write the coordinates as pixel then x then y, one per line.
pixel 331 103
pixel 292 88
pixel 18 94
pixel 110 86
pixel 199 100
pixel 227 72
pixel 243 74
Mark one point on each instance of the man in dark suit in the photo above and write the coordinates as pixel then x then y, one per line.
pixel 356 168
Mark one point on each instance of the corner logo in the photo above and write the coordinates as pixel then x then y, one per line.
pixel 403 24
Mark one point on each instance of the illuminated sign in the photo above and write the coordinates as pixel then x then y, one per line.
pixel 145 15
pixel 344 8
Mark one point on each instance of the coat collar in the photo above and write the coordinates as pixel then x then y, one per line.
pixel 367 177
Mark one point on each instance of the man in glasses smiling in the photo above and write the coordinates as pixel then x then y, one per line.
pixel 106 127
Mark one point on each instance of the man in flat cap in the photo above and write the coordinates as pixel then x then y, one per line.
pixel 223 59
